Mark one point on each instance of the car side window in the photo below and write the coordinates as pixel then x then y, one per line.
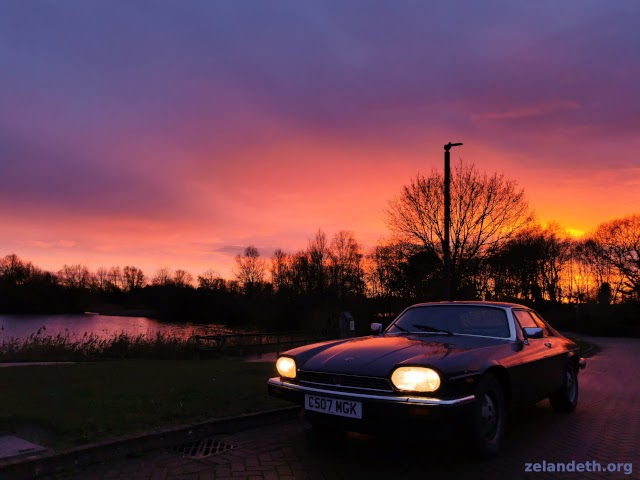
pixel 542 324
pixel 524 319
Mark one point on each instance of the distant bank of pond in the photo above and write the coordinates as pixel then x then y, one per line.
pixel 103 326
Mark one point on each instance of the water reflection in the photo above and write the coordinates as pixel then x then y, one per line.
pixel 102 326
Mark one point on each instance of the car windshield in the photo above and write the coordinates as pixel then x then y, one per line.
pixel 453 319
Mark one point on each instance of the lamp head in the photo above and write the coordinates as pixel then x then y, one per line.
pixel 448 146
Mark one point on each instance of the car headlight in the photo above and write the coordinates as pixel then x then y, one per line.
pixel 286 367
pixel 415 379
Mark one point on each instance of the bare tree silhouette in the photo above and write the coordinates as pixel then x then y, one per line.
pixel 251 269
pixel 486 210
pixel 620 243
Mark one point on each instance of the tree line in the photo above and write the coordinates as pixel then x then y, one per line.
pixel 498 252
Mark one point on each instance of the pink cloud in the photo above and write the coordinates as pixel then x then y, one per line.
pixel 535 110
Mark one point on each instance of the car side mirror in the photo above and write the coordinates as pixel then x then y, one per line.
pixel 532 332
pixel 376 328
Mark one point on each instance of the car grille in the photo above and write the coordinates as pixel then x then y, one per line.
pixel 349 381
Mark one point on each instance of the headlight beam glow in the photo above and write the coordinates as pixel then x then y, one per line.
pixel 415 379
pixel 286 367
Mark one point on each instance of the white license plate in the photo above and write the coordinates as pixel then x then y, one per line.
pixel 333 406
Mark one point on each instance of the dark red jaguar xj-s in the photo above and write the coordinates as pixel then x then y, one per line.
pixel 453 363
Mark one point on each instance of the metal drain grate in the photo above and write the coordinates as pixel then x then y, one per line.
pixel 203 448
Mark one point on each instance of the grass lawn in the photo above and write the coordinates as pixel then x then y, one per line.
pixel 67 405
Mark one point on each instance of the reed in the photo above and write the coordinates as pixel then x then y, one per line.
pixel 41 346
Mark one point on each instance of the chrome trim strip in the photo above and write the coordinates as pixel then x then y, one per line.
pixel 453 334
pixel 276 382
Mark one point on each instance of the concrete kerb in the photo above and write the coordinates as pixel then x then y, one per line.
pixel 52 463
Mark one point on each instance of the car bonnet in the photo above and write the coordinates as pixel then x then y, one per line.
pixel 378 355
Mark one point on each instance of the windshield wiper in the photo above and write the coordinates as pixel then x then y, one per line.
pixel 402 329
pixel 429 328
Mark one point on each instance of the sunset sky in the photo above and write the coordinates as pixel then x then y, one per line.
pixel 171 133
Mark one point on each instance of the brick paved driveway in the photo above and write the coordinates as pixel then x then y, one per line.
pixel 605 428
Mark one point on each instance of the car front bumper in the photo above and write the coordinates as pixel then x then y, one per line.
pixel 281 389
pixel 379 411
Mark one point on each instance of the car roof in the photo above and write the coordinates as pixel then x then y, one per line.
pixel 473 303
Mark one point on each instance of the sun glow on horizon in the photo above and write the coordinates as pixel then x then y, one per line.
pixel 575 232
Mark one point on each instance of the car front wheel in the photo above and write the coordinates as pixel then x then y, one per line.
pixel 489 420
pixel 565 399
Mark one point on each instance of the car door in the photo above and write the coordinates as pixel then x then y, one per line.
pixel 536 356
pixel 558 358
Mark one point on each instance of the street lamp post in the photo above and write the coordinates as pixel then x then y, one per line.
pixel 446 287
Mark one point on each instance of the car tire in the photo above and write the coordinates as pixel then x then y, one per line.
pixel 489 417
pixel 565 399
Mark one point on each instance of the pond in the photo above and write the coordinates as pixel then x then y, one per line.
pixel 103 326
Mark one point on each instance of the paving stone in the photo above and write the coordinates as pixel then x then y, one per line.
pixel 209 475
pixel 284 470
